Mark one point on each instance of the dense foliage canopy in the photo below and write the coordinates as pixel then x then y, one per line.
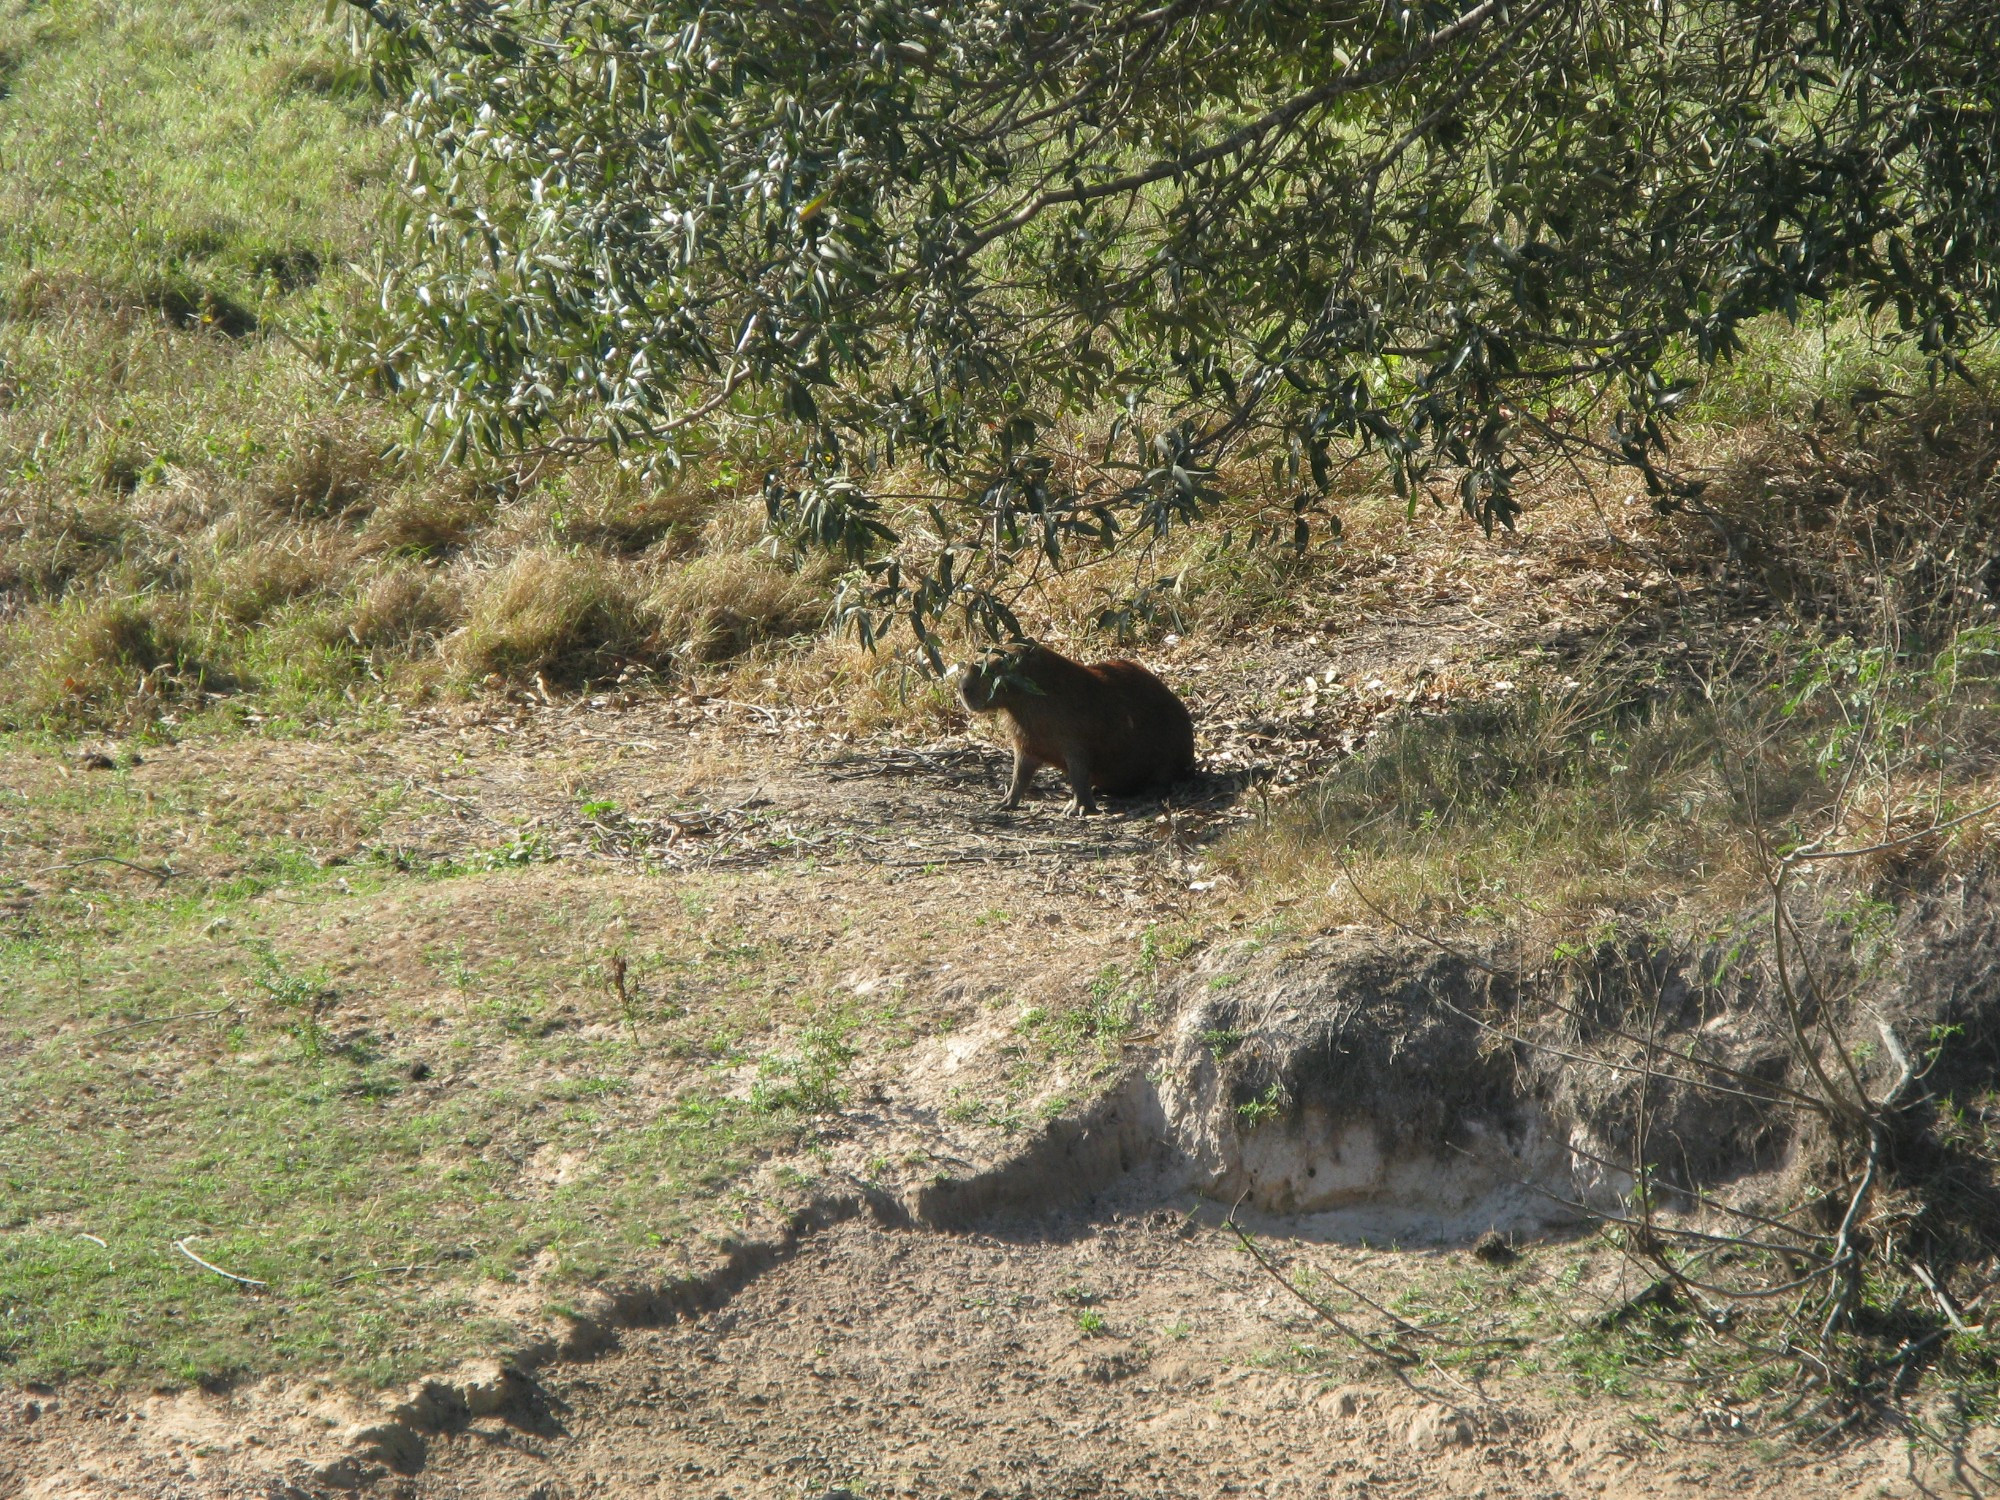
pixel 1065 256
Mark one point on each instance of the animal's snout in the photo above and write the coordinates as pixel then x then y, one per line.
pixel 974 690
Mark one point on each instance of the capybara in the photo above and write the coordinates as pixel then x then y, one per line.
pixel 1114 727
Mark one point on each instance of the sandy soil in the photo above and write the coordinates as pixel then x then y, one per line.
pixel 875 1363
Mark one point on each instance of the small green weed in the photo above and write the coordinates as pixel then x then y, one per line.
pixel 1221 1041
pixel 1115 1005
pixel 302 993
pixel 1004 1115
pixel 521 849
pixel 807 1081
pixel 1266 1106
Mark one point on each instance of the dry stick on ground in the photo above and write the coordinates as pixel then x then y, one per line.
pixel 182 1246
pixel 377 1271
pixel 163 873
pixel 1403 1325
pixel 1325 1314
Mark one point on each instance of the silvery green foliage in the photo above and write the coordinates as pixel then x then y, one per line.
pixel 1442 234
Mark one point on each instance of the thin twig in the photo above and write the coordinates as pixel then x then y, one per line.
pixel 163 873
pixel 1707 1202
pixel 1804 855
pixel 1325 1314
pixel 182 1246
pixel 1943 1299
pixel 382 1271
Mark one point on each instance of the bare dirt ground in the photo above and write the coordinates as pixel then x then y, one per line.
pixel 1060 1332
pixel 877 1363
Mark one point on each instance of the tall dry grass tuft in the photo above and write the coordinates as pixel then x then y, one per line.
pixel 862 690
pixel 721 604
pixel 608 509
pixel 51 537
pixel 255 579
pixel 433 517
pixel 96 660
pixel 1840 519
pixel 572 617
pixel 404 609
pixel 326 473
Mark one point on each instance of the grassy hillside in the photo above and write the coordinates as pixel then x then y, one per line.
pixel 178 186
pixel 187 513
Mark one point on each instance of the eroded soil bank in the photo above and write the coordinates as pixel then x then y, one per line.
pixel 1072 1313
pixel 1128 1354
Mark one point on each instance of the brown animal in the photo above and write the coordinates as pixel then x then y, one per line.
pixel 1114 727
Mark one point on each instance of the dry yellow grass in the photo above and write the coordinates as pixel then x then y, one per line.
pixel 403 608
pixel 572 616
pixel 436 515
pixel 100 658
pixel 253 578
pixel 325 472
pixel 718 604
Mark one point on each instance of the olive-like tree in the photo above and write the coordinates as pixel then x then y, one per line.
pixel 1065 256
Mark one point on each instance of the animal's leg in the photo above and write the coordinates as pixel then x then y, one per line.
pixel 1024 772
pixel 1077 768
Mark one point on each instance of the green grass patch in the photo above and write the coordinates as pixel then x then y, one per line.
pixel 319 1124
pixel 391 1082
